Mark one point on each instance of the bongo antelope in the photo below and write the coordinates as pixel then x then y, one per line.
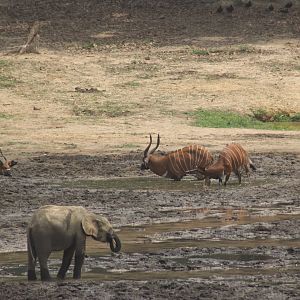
pixel 178 163
pixel 6 165
pixel 233 158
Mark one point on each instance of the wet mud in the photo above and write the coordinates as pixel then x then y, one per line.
pixel 180 239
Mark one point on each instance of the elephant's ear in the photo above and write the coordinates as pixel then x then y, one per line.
pixel 89 225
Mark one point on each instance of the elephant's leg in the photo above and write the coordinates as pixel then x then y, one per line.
pixel 79 258
pixel 43 253
pixel 45 275
pixel 67 258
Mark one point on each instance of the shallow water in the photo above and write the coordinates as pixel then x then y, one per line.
pixel 187 184
pixel 138 239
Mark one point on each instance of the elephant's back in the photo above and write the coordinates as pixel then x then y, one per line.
pixel 55 216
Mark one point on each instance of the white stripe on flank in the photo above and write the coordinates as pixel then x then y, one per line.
pixel 179 162
pixel 240 154
pixel 175 170
pixel 202 156
pixel 234 161
pixel 196 157
pixel 183 157
pixel 244 154
pixel 192 158
pixel 224 155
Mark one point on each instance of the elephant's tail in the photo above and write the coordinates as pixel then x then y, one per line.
pixel 30 248
pixel 31 256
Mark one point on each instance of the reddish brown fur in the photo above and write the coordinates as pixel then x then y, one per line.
pixel 179 163
pixel 233 158
pixel 6 165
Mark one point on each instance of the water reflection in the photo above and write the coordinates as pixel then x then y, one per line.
pixel 137 239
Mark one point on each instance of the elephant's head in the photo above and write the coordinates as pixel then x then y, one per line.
pixel 101 230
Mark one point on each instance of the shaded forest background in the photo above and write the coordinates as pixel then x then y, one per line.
pixel 138 22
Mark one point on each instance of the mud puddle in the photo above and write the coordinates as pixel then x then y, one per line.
pixel 196 266
pixel 141 241
pixel 187 184
pixel 178 238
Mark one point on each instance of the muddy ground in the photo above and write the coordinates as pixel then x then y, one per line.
pixel 149 65
pixel 183 241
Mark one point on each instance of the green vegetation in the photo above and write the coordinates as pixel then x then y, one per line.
pixel 128 145
pixel 241 49
pixel 277 116
pixel 201 52
pixel 107 109
pixel 223 119
pixel 4 116
pixel 89 46
pixel 6 81
pixel 245 49
pixel 3 63
pixel 130 84
pixel 222 76
pixel 144 69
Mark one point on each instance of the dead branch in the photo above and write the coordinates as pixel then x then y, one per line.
pixel 32 41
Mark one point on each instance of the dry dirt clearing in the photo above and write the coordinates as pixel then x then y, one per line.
pixel 77 117
pixel 149 67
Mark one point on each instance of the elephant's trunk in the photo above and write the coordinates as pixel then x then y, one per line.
pixel 114 243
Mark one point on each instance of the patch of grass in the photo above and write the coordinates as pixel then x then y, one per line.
pixel 200 52
pixel 265 115
pixel 131 84
pixel 7 81
pixel 221 76
pixel 241 49
pixel 106 109
pixel 295 117
pixel 5 116
pixel 227 119
pixel 136 66
pixel 4 63
pixel 221 119
pixel 146 76
pixel 128 145
pixel 245 49
pixel 169 112
pixel 89 46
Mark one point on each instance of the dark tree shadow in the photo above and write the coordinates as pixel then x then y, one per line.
pixel 139 22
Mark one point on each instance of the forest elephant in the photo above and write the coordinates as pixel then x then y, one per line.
pixel 55 228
